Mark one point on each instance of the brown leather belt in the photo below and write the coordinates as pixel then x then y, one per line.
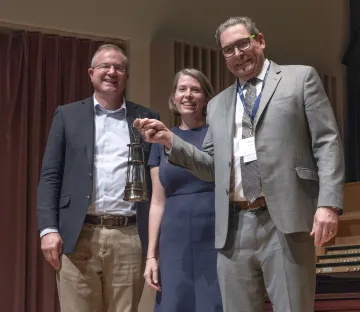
pixel 108 220
pixel 258 204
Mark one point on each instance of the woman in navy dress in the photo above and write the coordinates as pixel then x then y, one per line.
pixel 181 225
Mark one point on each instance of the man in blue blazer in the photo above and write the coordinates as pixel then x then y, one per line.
pixel 89 234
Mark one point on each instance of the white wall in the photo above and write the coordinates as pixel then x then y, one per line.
pixel 303 32
pixel 132 19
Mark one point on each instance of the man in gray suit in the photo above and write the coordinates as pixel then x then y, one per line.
pixel 274 151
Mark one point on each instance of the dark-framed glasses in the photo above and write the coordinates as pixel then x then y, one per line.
pixel 241 45
pixel 107 66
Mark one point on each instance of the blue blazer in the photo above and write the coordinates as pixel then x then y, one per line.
pixel 65 186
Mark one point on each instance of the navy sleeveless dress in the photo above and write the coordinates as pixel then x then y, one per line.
pixel 187 262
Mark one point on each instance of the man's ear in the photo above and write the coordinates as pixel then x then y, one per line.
pixel 261 39
pixel 90 72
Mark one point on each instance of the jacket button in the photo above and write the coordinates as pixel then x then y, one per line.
pixel 90 175
pixel 227 192
pixel 229 164
pixel 88 197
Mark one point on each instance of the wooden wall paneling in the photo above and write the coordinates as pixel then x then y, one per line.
pixel 196 58
pixel 188 58
pixel 215 73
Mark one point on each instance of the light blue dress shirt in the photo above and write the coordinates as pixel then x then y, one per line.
pixel 110 164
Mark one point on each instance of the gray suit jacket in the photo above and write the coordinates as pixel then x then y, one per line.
pixel 298 148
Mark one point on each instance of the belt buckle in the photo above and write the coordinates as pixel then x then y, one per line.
pixel 250 209
pixel 102 220
pixel 126 221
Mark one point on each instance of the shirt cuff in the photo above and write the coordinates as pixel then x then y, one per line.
pixel 47 231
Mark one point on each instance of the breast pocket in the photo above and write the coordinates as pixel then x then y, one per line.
pixel 284 102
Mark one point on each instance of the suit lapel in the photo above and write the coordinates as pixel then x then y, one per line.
pixel 89 129
pixel 230 104
pixel 271 83
pixel 133 112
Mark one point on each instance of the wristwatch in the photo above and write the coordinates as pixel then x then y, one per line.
pixel 339 211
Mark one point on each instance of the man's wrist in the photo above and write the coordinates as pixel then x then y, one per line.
pixel 169 142
pixel 337 210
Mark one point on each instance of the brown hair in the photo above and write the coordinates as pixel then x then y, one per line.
pixel 236 20
pixel 205 85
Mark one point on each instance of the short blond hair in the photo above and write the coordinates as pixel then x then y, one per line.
pixel 107 47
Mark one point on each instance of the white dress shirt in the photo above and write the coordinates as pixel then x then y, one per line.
pixel 237 192
pixel 110 162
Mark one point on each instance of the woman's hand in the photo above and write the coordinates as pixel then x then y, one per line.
pixel 151 274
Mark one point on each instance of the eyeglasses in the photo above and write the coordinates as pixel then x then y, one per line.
pixel 241 45
pixel 107 66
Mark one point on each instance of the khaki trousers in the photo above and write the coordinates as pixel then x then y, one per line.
pixel 104 273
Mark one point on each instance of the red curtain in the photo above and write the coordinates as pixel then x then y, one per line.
pixel 38 72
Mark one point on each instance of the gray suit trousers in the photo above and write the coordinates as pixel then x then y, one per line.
pixel 259 259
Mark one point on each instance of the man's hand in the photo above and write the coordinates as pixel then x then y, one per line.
pixel 154 131
pixel 325 225
pixel 51 246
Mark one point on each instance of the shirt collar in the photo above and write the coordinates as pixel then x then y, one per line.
pixel 261 75
pixel 98 106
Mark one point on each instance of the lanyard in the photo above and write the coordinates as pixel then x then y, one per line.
pixel 252 114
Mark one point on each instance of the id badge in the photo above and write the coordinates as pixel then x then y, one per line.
pixel 247 149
